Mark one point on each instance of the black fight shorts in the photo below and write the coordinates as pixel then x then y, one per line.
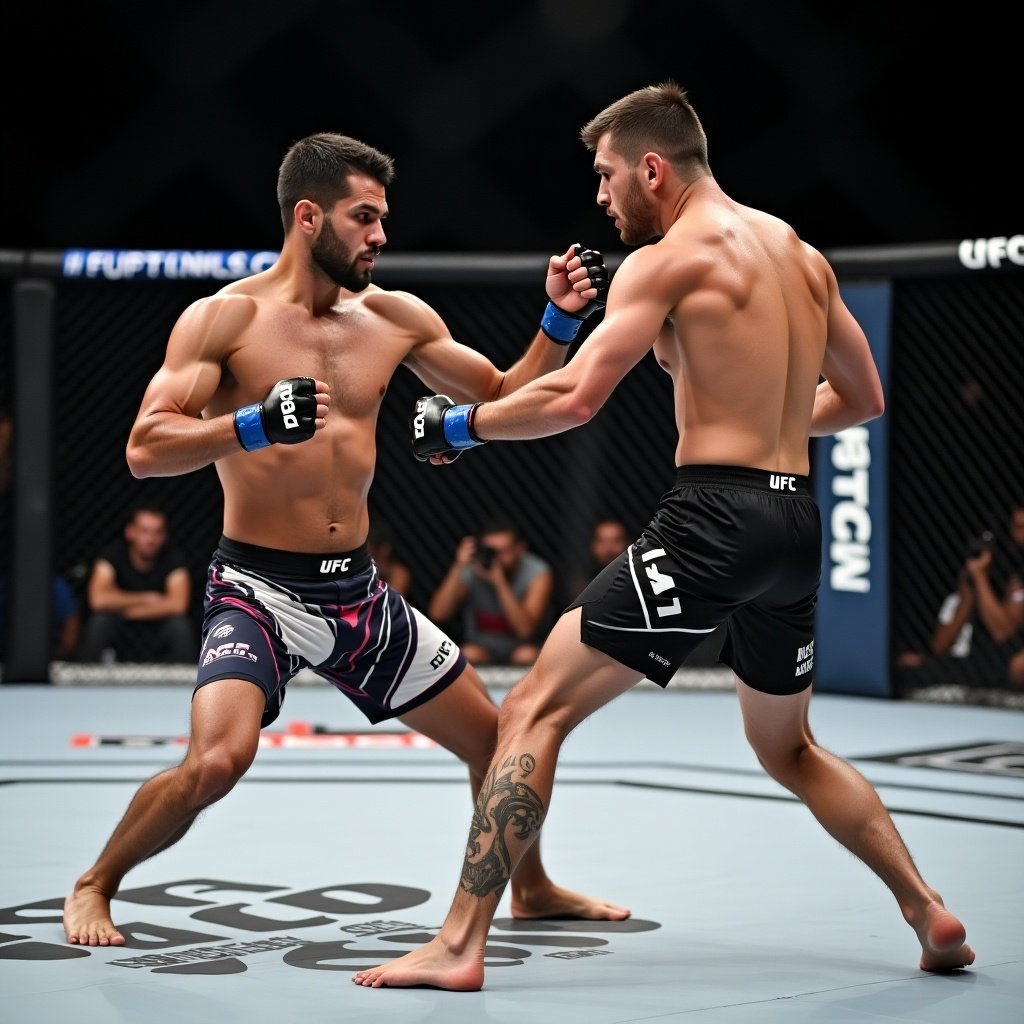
pixel 727 544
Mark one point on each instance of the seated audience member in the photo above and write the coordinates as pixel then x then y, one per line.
pixel 139 593
pixel 978 637
pixel 608 539
pixel 65 618
pixel 504 593
pixel 394 572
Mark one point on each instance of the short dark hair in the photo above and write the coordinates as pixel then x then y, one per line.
pixel 656 118
pixel 501 524
pixel 147 507
pixel 318 166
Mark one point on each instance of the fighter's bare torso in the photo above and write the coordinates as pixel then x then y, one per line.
pixel 312 496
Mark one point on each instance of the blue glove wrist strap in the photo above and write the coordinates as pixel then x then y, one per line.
pixel 249 428
pixel 560 326
pixel 456 426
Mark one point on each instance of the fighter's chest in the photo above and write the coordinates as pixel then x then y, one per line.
pixel 351 354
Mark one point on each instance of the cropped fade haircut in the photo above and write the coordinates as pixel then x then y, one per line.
pixel 317 168
pixel 657 118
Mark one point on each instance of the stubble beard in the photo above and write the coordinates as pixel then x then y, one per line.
pixel 335 259
pixel 636 216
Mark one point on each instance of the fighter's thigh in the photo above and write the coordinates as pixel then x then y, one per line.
pixel 569 680
pixel 775 725
pixel 239 646
pixel 462 718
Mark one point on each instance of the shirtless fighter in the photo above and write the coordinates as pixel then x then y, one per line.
pixel 746 319
pixel 277 379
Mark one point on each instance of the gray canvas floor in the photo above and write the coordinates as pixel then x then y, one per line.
pixel 341 850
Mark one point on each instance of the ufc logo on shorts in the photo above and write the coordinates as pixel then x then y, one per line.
pixel 442 653
pixel 334 564
pixel 782 483
pixel 287 406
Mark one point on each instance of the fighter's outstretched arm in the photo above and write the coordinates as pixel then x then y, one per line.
pixel 639 300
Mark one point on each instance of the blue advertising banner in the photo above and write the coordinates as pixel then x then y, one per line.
pixel 167 264
pixel 851 482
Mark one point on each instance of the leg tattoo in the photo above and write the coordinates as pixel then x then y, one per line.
pixel 504 806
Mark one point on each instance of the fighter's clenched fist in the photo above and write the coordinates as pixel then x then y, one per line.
pixel 293 411
pixel 440 427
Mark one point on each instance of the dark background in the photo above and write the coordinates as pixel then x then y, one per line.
pixel 146 126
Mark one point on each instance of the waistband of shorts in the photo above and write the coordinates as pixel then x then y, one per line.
pixel 333 565
pixel 743 476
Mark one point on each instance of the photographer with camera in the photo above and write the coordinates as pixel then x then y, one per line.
pixel 504 592
pixel 978 639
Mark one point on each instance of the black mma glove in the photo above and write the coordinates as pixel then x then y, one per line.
pixel 286 416
pixel 440 427
pixel 563 327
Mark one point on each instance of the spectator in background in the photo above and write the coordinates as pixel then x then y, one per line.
pixel 393 571
pixel 1002 611
pixel 608 539
pixel 978 638
pixel 504 593
pixel 66 616
pixel 65 622
pixel 139 593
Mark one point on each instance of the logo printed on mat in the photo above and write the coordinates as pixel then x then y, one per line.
pixel 171 940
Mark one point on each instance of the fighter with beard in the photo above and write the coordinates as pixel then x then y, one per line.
pixel 277 380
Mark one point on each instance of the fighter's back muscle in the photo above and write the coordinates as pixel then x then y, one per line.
pixel 747 341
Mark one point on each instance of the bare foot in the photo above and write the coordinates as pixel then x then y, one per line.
pixel 431 964
pixel 87 920
pixel 555 902
pixel 942 941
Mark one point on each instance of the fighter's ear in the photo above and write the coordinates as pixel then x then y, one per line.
pixel 654 167
pixel 307 216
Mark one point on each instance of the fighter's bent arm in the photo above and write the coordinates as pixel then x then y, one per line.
pixel 851 392
pixel 465 375
pixel 170 435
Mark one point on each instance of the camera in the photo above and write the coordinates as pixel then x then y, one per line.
pixel 485 554
pixel 976 546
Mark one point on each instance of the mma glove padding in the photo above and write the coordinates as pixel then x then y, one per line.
pixel 440 427
pixel 286 416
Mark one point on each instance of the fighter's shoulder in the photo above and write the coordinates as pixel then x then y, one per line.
pixel 780 236
pixel 226 313
pixel 674 261
pixel 402 309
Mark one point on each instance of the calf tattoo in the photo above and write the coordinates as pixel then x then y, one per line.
pixel 504 807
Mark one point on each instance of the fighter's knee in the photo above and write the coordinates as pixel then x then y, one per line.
pixel 781 760
pixel 215 772
pixel 530 707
